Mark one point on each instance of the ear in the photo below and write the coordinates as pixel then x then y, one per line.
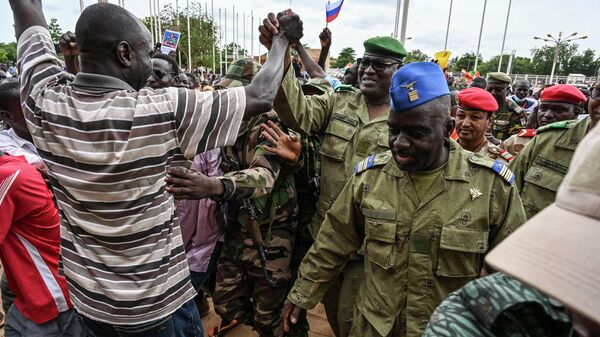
pixel 449 127
pixel 6 116
pixel 124 54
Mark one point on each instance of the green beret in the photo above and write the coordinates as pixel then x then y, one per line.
pixel 385 46
pixel 499 77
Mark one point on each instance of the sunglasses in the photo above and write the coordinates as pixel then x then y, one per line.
pixel 378 66
pixel 161 74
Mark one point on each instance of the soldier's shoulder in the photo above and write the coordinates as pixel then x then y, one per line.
pixel 370 162
pixel 346 88
pixel 513 106
pixel 495 166
pixel 525 133
pixel 558 126
pixel 500 152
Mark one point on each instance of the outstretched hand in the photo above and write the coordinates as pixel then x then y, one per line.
pixel 285 146
pixel 188 184
pixel 287 23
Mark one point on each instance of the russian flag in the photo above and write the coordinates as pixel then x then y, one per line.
pixel 333 9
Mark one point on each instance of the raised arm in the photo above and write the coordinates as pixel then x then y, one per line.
pixel 314 70
pixel 263 89
pixel 325 38
pixel 27 13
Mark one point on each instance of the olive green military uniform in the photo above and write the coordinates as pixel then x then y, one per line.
pixel 499 305
pixel 517 142
pixel 242 291
pixel 542 165
pixel 418 250
pixel 494 152
pixel 508 120
pixel 348 135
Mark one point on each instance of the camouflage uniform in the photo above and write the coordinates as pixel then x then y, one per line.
pixel 417 252
pixel 241 291
pixel 508 120
pixel 517 142
pixel 494 152
pixel 541 166
pixel 348 135
pixel 240 73
pixel 499 306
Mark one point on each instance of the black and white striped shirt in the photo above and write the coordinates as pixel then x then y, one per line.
pixel 106 151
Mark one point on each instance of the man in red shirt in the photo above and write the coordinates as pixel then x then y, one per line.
pixel 29 250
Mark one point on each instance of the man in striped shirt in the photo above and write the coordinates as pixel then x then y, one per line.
pixel 106 141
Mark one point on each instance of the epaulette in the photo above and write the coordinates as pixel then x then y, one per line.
pixel 528 133
pixel 345 88
pixel 501 152
pixel 372 161
pixel 558 125
pixel 500 169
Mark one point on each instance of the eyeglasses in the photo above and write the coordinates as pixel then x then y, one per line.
pixel 158 74
pixel 596 94
pixel 378 66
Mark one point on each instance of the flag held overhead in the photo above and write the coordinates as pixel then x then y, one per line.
pixel 333 9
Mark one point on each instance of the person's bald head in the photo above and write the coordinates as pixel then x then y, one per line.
pixel 114 42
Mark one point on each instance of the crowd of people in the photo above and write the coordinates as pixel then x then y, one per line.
pixel 132 191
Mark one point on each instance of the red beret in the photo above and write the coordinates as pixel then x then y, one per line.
pixel 477 99
pixel 562 93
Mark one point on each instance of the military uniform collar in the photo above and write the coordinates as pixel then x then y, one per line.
pixel 457 167
pixel 99 84
pixel 573 136
pixel 362 110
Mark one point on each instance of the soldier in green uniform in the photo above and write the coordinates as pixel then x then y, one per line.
pixel 542 164
pixel 351 123
pixel 557 103
pixel 548 284
pixel 473 117
pixel 510 117
pixel 427 212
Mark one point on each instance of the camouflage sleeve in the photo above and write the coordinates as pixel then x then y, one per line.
pixel 508 213
pixel 341 234
pixel 453 318
pixel 518 120
pixel 306 114
pixel 260 176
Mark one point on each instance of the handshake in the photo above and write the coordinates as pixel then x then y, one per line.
pixel 286 23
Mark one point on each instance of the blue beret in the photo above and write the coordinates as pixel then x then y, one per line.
pixel 417 83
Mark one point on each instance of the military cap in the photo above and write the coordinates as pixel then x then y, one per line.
pixel 563 93
pixel 417 83
pixel 240 73
pixel 385 46
pixel 477 99
pixel 499 77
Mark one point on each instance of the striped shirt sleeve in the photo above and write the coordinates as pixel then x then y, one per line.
pixel 39 67
pixel 207 120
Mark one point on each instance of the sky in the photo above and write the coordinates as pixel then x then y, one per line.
pixel 362 19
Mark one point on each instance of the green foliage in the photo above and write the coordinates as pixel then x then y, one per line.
pixel 466 62
pixel 416 56
pixel 543 57
pixel 8 52
pixel 55 30
pixel 347 55
pixel 585 63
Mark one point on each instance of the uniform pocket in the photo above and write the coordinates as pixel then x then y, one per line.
pixel 337 137
pixel 380 233
pixel 460 252
pixel 544 178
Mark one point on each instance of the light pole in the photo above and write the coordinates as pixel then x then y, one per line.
pixel 558 42
pixel 480 32
pixel 504 37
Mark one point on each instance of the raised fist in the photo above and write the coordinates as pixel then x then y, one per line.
pixel 68 44
pixel 290 25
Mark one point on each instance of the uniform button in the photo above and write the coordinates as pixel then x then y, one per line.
pixel 429 283
pixel 538 176
pixel 350 130
pixel 332 140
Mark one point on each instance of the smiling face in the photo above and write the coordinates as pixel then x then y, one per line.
pixel 375 84
pixel 471 126
pixel 418 137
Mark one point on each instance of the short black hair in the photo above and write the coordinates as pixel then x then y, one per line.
pixel 169 59
pixel 9 89
pixel 479 82
pixel 191 76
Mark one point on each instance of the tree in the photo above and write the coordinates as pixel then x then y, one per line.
pixel 347 55
pixel 465 61
pixel 585 63
pixel 55 30
pixel 8 52
pixel 416 56
pixel 543 57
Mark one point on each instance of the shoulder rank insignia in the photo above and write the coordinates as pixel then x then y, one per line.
pixel 558 125
pixel 500 169
pixel 506 155
pixel 371 161
pixel 527 133
pixel 413 94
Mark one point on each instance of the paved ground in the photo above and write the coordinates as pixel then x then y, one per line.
pixel 316 318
